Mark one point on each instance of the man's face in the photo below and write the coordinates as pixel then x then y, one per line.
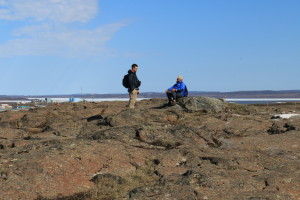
pixel 135 69
pixel 179 80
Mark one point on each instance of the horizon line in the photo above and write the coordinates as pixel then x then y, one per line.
pixel 238 91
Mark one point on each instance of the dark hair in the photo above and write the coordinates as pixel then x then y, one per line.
pixel 134 65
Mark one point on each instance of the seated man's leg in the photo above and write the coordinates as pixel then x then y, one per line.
pixel 174 96
pixel 169 95
pixel 178 95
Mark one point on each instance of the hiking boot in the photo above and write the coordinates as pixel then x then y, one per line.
pixel 173 102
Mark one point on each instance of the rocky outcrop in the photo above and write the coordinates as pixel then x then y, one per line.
pixel 202 148
pixel 204 104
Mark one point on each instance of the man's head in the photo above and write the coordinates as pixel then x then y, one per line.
pixel 179 78
pixel 134 67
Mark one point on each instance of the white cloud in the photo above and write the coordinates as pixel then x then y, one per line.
pixel 71 43
pixel 32 30
pixel 50 33
pixel 64 11
pixel 3 2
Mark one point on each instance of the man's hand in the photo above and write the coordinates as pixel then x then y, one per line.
pixel 174 90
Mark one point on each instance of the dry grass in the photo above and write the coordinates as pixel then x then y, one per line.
pixel 110 189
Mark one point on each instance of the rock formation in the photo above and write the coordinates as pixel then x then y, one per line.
pixel 202 148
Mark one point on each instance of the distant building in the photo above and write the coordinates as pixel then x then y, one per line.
pixel 5 106
pixel 74 100
pixel 48 100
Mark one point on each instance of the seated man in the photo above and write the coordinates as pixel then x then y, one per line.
pixel 177 91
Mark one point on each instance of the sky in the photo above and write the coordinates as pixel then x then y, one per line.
pixel 86 46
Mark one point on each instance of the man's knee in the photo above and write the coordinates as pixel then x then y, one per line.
pixel 179 96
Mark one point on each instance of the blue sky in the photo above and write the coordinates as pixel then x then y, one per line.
pixel 74 46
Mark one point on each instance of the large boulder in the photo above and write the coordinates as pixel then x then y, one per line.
pixel 205 104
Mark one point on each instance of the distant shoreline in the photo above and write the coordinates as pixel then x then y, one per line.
pixel 72 100
pixel 223 95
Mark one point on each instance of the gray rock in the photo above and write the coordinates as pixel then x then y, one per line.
pixel 98 178
pixel 205 104
pixel 128 117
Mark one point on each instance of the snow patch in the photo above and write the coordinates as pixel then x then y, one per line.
pixel 285 116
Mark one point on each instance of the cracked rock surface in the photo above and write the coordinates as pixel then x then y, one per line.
pixel 202 148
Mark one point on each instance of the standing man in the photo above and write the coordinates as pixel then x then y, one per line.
pixel 133 85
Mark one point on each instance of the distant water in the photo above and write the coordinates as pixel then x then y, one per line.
pixel 14 101
pixel 261 100
pixel 62 100
pixel 229 100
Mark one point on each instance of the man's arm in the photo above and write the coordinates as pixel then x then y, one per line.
pixel 131 84
pixel 180 87
pixel 172 88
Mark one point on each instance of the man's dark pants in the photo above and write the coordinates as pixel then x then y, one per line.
pixel 173 95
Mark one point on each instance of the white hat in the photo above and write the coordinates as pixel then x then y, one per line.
pixel 180 77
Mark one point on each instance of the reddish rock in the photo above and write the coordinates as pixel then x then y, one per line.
pixel 106 151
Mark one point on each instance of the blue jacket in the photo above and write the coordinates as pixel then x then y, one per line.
pixel 180 87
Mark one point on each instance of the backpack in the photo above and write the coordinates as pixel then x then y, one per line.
pixel 125 81
pixel 186 92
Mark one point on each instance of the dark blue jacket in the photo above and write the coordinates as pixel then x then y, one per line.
pixel 134 82
pixel 180 87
